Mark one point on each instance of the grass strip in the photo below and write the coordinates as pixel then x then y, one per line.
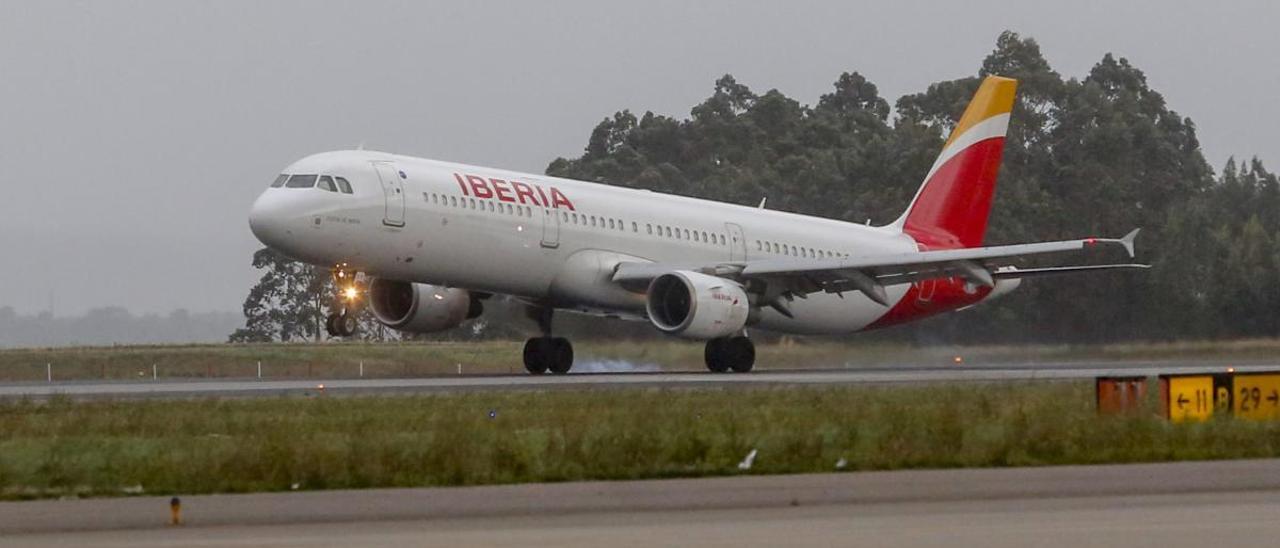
pixel 59 447
pixel 409 359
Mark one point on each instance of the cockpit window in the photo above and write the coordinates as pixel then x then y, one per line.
pixel 279 182
pixel 301 181
pixel 344 185
pixel 326 183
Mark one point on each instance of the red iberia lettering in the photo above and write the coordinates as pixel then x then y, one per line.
pixel 500 188
pixel 522 191
pixel 545 201
pixel 558 198
pixel 512 191
pixel 461 184
pixel 479 187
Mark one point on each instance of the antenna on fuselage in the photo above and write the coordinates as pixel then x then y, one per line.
pixel 763 199
pixel 360 146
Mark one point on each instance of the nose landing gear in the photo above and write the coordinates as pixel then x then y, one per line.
pixel 341 324
pixel 349 287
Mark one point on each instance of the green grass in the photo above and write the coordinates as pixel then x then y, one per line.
pixel 61 447
pixel 342 360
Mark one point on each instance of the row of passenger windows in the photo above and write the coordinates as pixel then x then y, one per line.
pixel 325 182
pixel 618 224
pixel 579 219
pixel 471 203
pixel 797 251
pixel 650 228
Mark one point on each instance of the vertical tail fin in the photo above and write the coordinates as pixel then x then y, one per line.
pixel 951 208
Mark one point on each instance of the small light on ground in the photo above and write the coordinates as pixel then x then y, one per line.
pixel 958 359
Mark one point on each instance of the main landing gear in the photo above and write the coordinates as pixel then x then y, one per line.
pixel 547 353
pixel 726 353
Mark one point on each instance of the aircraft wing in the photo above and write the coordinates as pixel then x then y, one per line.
pixel 981 266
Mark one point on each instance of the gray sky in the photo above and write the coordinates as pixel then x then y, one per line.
pixel 134 135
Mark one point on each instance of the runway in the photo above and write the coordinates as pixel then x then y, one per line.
pixel 906 373
pixel 1230 503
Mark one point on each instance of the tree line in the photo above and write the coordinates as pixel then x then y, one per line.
pixel 1091 156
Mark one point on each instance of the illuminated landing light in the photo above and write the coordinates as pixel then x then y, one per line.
pixel 958 359
pixel 350 293
pixel 520 228
pixel 1231 370
pixel 438 296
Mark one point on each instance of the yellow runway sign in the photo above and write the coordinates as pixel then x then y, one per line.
pixel 1256 396
pixel 1189 398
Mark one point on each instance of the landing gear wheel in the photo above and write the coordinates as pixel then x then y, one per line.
pixel 741 354
pixel 714 356
pixel 560 357
pixel 542 354
pixel 340 325
pixel 346 324
pixel 736 353
pixel 328 325
pixel 535 350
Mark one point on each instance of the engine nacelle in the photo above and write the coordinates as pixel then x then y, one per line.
pixel 420 308
pixel 696 306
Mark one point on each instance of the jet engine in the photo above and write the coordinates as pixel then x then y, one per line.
pixel 696 306
pixel 420 308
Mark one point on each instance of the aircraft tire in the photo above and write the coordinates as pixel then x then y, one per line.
pixel 714 355
pixel 345 325
pixel 560 357
pixel 329 325
pixel 740 352
pixel 536 351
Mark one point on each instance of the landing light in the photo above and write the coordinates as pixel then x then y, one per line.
pixel 350 293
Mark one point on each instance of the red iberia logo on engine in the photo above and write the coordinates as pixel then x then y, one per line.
pixel 512 191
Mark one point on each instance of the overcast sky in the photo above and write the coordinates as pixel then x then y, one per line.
pixel 134 135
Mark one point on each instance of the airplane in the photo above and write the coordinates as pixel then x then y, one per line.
pixel 422 243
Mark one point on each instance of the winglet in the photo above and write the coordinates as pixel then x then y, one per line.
pixel 1127 240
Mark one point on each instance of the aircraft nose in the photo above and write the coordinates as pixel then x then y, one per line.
pixel 267 219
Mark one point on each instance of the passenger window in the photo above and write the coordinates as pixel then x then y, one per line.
pixel 279 182
pixel 722 239
pixel 649 227
pixel 565 216
pixel 635 227
pixel 326 183
pixel 610 223
pixel 301 181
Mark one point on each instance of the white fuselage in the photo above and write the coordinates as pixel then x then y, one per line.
pixel 547 240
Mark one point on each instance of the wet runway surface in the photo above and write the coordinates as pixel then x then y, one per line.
pixel 1233 503
pixel 899 374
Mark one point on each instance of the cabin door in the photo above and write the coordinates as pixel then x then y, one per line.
pixel 393 191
